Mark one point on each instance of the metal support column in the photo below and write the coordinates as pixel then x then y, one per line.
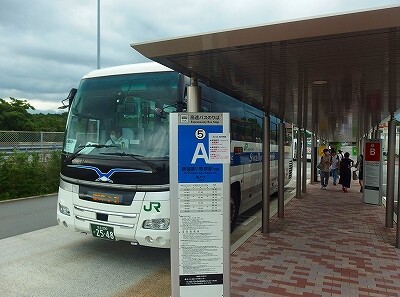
pixel 281 170
pixel 313 161
pixel 298 169
pixel 98 34
pixel 314 128
pixel 266 150
pixel 299 121
pixel 304 175
pixel 390 172
pixel 363 140
pixel 398 206
pixel 266 175
pixel 194 96
pixel 304 121
pixel 378 134
pixel 393 98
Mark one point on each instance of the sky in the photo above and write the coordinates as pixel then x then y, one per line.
pixel 46 46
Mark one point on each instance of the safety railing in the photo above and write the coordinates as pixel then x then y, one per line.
pixel 30 141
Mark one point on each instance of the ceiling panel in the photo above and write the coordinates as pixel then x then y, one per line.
pixel 338 85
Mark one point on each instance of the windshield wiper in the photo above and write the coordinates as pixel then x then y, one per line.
pixel 136 157
pixel 81 147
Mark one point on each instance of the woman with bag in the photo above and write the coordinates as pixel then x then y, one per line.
pixel 324 167
pixel 345 172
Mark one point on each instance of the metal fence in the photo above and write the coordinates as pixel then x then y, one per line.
pixel 30 141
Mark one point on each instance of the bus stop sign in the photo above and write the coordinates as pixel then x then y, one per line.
pixel 200 204
pixel 373 167
pixel 195 163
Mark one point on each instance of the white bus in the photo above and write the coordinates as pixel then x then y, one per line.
pixel 120 190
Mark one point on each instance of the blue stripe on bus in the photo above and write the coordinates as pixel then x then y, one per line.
pixel 249 158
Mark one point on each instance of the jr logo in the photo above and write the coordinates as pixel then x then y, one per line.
pixel 155 205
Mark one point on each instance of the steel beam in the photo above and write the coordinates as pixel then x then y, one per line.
pixel 266 175
pixel 281 170
pixel 390 172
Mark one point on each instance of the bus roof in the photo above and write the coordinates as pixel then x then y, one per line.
pixel 125 69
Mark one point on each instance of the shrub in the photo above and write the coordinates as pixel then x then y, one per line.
pixel 24 174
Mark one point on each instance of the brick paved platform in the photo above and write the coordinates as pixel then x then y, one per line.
pixel 328 244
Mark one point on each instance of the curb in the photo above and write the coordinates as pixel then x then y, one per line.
pixel 26 198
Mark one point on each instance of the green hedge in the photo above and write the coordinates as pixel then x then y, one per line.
pixel 24 174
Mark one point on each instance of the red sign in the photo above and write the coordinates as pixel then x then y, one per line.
pixel 373 151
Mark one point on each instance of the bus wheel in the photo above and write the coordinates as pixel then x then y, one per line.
pixel 235 203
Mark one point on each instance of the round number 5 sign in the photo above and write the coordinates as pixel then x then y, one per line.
pixel 200 134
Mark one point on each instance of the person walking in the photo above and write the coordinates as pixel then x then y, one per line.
pixel 360 167
pixel 345 172
pixel 334 166
pixel 340 154
pixel 324 167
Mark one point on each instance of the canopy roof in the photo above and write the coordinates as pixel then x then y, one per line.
pixel 337 76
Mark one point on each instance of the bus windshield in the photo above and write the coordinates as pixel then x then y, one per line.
pixel 122 115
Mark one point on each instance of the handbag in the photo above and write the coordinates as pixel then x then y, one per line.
pixel 320 165
pixel 355 176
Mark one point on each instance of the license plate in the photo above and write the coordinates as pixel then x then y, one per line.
pixel 103 232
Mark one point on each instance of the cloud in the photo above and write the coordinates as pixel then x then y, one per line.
pixel 46 46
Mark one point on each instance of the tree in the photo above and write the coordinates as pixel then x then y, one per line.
pixel 14 115
pixel 50 122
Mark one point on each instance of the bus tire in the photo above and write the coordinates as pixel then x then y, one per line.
pixel 235 204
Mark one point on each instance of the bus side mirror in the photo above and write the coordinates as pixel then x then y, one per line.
pixel 70 98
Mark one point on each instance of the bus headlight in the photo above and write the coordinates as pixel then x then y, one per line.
pixel 63 209
pixel 156 224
